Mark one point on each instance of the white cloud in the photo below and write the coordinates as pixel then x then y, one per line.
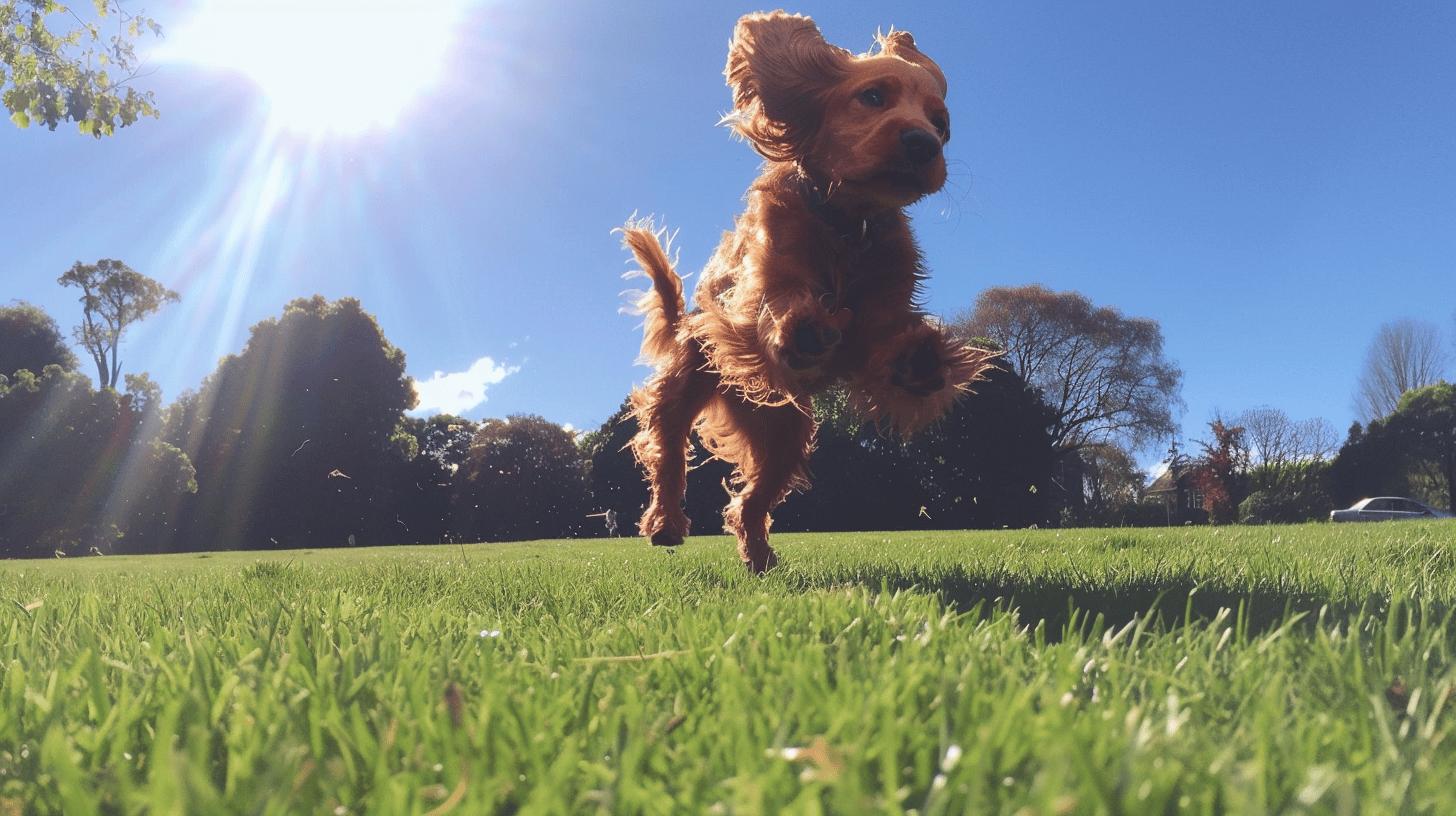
pixel 458 392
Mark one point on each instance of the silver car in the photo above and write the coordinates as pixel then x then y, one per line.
pixel 1387 508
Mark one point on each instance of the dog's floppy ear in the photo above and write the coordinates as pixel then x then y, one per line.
pixel 780 69
pixel 901 44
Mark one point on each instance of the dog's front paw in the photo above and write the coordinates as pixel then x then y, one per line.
pixel 810 343
pixel 919 370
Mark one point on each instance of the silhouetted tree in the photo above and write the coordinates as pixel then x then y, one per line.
pixel 615 480
pixel 990 460
pixel 1411 452
pixel 421 485
pixel 113 298
pixel 30 339
pixel 524 479
pixel 617 483
pixel 294 438
pixel 1366 466
pixel 1423 433
pixel 986 464
pixel 82 468
pixel 862 478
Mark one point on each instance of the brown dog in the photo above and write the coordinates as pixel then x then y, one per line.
pixel 816 285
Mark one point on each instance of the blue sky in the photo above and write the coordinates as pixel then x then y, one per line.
pixel 1270 181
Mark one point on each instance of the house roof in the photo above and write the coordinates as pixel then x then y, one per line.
pixel 1171 479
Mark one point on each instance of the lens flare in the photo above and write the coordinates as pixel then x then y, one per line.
pixel 326 67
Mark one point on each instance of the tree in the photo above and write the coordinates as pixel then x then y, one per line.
pixel 82 468
pixel 75 73
pixel 1423 430
pixel 421 486
pixel 1112 483
pixel 1103 374
pixel 1295 492
pixel 524 479
pixel 1225 461
pixel 295 437
pixel 113 298
pixel 987 463
pixel 30 339
pixel 1277 441
pixel 618 484
pixel 1288 477
pixel 1368 464
pixel 1405 354
pixel 862 478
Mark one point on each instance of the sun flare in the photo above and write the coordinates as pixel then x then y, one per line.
pixel 327 67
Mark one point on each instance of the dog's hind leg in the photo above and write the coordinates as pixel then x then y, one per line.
pixel 771 448
pixel 665 409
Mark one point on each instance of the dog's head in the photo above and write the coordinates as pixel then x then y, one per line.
pixel 870 126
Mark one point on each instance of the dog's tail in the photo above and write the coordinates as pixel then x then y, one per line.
pixel 662 307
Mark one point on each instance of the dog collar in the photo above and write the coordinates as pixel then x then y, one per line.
pixel 854 232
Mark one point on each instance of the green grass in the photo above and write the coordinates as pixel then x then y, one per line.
pixel 1248 670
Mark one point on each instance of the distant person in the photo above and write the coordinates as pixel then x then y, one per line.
pixel 610 517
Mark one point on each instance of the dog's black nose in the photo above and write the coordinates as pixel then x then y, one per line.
pixel 921 147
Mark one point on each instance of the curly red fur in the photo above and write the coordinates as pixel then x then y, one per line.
pixel 661 308
pixel 817 284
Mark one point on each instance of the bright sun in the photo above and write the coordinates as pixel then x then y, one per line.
pixel 327 67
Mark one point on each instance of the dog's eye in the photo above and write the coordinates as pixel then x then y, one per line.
pixel 942 125
pixel 874 97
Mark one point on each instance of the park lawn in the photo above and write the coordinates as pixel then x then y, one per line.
pixel 1202 670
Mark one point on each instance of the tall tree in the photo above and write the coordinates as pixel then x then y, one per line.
pixel 78 71
pixel 1404 354
pixel 113 298
pixel 1103 374
pixel 30 339
pixel 989 461
pixel 82 467
pixel 1367 465
pixel 294 438
pixel 525 479
pixel 1423 428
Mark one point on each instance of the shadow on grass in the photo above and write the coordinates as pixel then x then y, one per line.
pixel 1064 605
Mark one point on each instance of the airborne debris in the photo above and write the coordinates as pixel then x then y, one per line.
pixel 824 763
pixel 454 704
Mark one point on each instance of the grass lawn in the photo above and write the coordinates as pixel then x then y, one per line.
pixel 1241 670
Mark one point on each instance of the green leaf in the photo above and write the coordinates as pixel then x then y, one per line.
pixel 21 119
